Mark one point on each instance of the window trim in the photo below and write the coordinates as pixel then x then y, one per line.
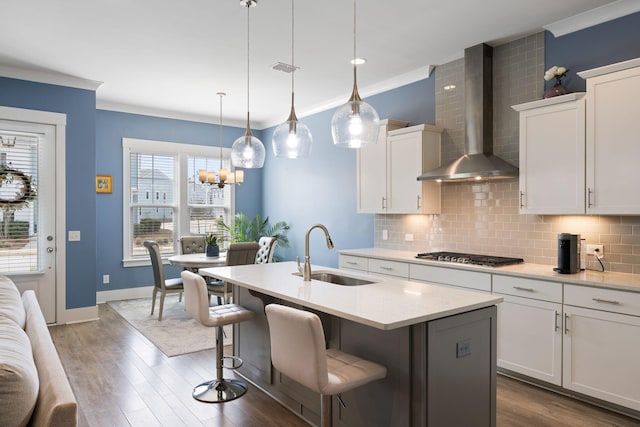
pixel 182 153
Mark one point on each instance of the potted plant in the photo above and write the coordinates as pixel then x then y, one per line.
pixel 211 245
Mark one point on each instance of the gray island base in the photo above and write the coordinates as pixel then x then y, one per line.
pixel 438 345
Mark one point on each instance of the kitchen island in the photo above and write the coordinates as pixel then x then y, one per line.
pixel 438 344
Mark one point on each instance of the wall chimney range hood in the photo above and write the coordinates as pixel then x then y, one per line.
pixel 478 162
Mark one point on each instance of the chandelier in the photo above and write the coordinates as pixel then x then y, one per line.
pixel 223 177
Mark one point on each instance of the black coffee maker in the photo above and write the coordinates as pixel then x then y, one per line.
pixel 568 253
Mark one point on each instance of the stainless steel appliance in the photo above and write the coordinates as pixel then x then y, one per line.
pixel 568 253
pixel 462 258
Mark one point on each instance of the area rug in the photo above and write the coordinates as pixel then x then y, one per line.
pixel 177 333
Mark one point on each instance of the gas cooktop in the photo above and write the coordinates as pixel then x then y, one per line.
pixel 460 258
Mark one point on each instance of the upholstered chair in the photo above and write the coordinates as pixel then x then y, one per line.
pixel 238 254
pixel 192 244
pixel 298 350
pixel 162 285
pixel 267 249
pixel 196 301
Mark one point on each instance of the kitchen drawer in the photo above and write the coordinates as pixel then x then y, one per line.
pixel 389 268
pixel 528 288
pixel 451 276
pixel 353 262
pixel 603 299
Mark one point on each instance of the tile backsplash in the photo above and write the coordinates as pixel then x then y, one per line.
pixel 483 217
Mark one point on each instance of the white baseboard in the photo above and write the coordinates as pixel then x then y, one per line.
pixel 121 294
pixel 77 315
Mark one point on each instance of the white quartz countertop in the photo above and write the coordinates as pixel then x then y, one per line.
pixel 606 279
pixel 388 303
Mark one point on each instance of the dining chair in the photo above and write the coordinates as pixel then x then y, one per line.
pixel 238 254
pixel 298 350
pixel 267 249
pixel 164 286
pixel 192 244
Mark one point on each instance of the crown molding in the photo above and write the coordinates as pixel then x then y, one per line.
pixel 165 114
pixel 48 77
pixel 593 17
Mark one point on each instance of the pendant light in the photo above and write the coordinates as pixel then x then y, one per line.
pixel 223 176
pixel 356 123
pixel 247 151
pixel 292 139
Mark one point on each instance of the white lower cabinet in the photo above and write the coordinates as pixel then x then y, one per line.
pixel 530 338
pixel 602 348
pixel 529 327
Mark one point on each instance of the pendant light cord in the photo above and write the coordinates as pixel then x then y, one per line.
pixel 293 67
pixel 220 94
pixel 248 71
pixel 354 42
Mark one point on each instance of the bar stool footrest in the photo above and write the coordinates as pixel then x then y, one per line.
pixel 236 362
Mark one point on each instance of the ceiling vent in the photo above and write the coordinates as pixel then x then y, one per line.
pixel 285 68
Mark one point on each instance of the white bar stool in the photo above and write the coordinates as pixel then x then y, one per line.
pixel 298 350
pixel 196 300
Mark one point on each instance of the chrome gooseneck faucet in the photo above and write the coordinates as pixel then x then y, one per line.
pixel 306 271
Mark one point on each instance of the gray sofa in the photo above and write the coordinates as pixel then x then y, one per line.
pixel 34 389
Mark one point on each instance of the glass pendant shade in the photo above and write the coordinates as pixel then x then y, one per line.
pixel 355 125
pixel 292 140
pixel 247 152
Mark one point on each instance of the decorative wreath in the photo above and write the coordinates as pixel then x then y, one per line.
pixel 26 189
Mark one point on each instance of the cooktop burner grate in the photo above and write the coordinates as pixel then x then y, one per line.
pixel 462 258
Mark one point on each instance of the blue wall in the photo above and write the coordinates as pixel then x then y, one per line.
pixel 604 44
pixel 80 107
pixel 111 127
pixel 322 187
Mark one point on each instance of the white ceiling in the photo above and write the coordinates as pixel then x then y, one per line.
pixel 170 57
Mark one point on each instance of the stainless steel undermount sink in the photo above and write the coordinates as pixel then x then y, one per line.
pixel 337 279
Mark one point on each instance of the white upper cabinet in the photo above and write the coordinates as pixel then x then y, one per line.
pixel 613 138
pixel 552 155
pixel 388 171
pixel 372 171
pixel 410 152
pixel 579 154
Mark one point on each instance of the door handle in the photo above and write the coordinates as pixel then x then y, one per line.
pixel 522 199
pixel 566 324
pixel 555 321
pixel 49 249
pixel 589 193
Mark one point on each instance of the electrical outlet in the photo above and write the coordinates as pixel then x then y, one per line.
pixel 463 348
pixel 385 234
pixel 591 249
pixel 408 237
pixel 105 279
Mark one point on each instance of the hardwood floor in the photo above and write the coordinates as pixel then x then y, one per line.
pixel 121 379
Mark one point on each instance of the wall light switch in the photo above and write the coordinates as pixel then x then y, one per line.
pixel 408 237
pixel 105 279
pixel 74 236
pixel 385 234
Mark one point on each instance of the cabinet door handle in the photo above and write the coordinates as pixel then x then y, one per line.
pixel 606 301
pixel 522 199
pixel 566 324
pixel 418 206
pixel 520 288
pixel 384 203
pixel 589 193
pixel 555 321
pixel 382 267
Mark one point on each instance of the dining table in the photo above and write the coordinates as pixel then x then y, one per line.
pixel 198 260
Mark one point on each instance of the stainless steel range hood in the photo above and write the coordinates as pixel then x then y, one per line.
pixel 478 162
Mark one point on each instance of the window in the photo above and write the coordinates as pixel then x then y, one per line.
pixel 163 198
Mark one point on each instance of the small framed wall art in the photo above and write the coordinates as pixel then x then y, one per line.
pixel 103 183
